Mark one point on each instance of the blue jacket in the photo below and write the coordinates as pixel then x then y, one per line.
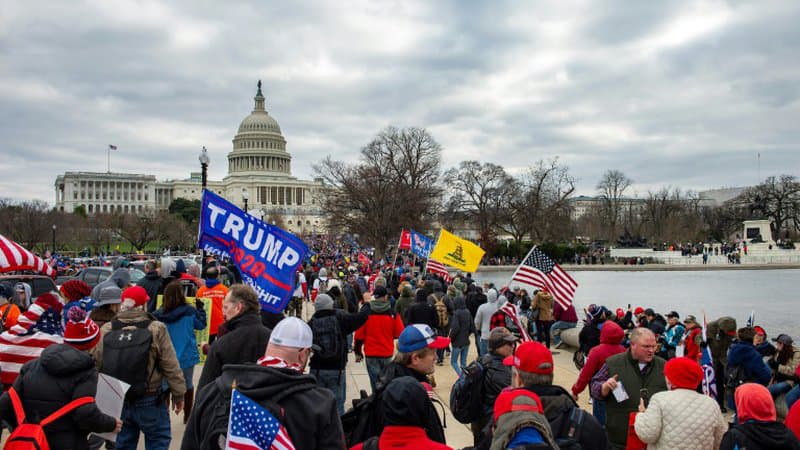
pixel 745 354
pixel 181 323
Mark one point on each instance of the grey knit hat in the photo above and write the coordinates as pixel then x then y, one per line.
pixel 324 301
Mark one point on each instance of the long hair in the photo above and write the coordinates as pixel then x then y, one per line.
pixel 173 296
pixel 785 355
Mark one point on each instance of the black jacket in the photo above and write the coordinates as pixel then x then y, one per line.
pixel 754 435
pixel 348 323
pixel 152 283
pixel 434 428
pixel 589 336
pixel 244 341
pixel 461 324
pixel 497 376
pixel 309 412
pixel 474 301
pixel 558 404
pixel 60 375
pixel 422 312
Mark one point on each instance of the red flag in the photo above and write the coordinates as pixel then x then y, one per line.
pixel 405 240
pixel 363 259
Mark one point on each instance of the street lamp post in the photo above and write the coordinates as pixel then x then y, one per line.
pixel 245 197
pixel 54 239
pixel 204 160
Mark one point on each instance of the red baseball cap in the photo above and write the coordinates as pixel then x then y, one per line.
pixel 137 294
pixel 531 357
pixel 620 313
pixel 638 310
pixel 511 400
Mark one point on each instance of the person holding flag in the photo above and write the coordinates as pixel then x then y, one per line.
pixel 273 405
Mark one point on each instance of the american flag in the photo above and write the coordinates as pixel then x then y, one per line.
pixel 709 384
pixel 37 328
pixel 510 310
pixel 112 147
pixel 14 257
pixel 538 270
pixel 252 427
pixel 439 269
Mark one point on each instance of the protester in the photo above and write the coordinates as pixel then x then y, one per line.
pixel 406 407
pixel 483 320
pixel 655 322
pixel 532 368
pixel 152 283
pixel 519 422
pixel 681 417
pixel 792 421
pixel 63 372
pixel 589 337
pixel 120 278
pixel 475 298
pixel 182 320
pixel 330 327
pixel 543 304
pixel 376 337
pixel 306 410
pixel 756 427
pixel 22 295
pixel 692 339
pixel 215 292
pixel 461 328
pixel 406 299
pixel 610 337
pixel 9 312
pixel 763 346
pixel 639 372
pixel 422 311
pixel 743 354
pixel 783 363
pixel 672 335
pixel 106 305
pixel 136 349
pixel 564 320
pixel 76 293
pixel 496 377
pixel 719 335
pixel 243 337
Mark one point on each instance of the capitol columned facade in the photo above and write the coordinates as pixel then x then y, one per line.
pixel 259 169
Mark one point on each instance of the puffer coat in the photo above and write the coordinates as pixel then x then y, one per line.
pixel 683 419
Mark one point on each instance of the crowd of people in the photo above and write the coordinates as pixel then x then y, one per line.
pixel 647 374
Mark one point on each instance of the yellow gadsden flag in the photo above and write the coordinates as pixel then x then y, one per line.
pixel 455 252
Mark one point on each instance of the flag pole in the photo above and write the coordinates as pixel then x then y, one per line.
pixel 108 159
pixel 520 264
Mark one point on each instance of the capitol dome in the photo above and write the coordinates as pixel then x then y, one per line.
pixel 259 147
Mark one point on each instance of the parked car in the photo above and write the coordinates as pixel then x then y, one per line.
pixel 96 275
pixel 39 283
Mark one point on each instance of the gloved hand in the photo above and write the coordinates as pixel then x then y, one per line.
pixel 773 364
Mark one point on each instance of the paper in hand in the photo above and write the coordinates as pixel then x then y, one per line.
pixel 110 398
pixel 619 393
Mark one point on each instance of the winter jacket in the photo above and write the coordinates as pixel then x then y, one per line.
pixel 744 354
pixel 474 301
pixel 162 355
pixel 433 428
pixel 11 313
pixel 565 315
pixel 461 324
pixel 181 323
pixel 119 278
pixel 683 419
pixel 404 302
pixel 496 377
pixel 394 436
pixel 378 333
pixel 60 375
pixel 558 405
pixel 515 429
pixel 691 342
pixel 610 337
pixel 543 302
pixel 673 335
pixel 309 412
pixel 245 342
pixel 215 292
pixel 785 372
pixel 718 334
pixel 754 435
pixel 102 315
pixel 589 337
pixel 422 312
pixel 151 283
pixel 658 325
pixel 483 318
pixel 347 323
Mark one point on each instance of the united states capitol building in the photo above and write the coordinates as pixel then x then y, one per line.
pixel 259 169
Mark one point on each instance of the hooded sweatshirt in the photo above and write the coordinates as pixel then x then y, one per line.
pixel 483 317
pixel 757 428
pixel 405 300
pixel 121 278
pixel 610 337
pixel 745 354
pixel 461 325
pixel 377 335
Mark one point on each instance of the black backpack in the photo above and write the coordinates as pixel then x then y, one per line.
pixel 569 436
pixel 466 395
pixel 734 376
pixel 217 433
pixel 126 354
pixel 363 420
pixel 328 336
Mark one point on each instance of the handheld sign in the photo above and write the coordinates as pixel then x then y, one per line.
pixel 266 256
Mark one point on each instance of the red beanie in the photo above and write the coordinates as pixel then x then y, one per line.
pixel 81 332
pixel 683 373
pixel 792 421
pixel 754 402
pixel 74 290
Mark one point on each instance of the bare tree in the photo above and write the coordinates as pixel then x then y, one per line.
pixel 611 188
pixel 394 185
pixel 778 199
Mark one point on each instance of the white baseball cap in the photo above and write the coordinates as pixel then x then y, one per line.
pixel 292 332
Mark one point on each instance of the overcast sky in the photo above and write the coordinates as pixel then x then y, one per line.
pixel 671 93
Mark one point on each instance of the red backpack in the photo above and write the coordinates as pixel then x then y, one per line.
pixel 27 436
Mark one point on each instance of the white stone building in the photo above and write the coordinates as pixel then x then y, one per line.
pixel 259 167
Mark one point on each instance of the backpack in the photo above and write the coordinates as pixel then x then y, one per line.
pixel 126 354
pixel 441 311
pixel 569 436
pixel 734 376
pixel 466 395
pixel 217 433
pixel 323 286
pixel 363 420
pixel 29 436
pixel 327 335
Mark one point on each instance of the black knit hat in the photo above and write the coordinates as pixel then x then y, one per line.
pixel 406 403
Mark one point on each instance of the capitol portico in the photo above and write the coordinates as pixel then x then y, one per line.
pixel 259 168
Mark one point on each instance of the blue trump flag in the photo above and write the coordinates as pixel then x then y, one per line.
pixel 421 245
pixel 266 255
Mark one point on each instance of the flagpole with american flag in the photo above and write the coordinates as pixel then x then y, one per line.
pixel 538 270
pixel 110 147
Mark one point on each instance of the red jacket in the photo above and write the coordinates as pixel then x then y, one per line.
pixel 395 436
pixel 610 338
pixel 692 350
pixel 378 335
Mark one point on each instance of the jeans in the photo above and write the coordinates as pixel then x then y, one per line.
pixel 779 388
pixel 544 331
pixel 792 396
pixel 334 381
pixel 557 327
pixel 150 416
pixel 374 368
pixel 599 411
pixel 484 346
pixel 188 373
pixel 478 343
pixel 459 353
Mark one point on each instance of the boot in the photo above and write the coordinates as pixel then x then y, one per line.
pixel 188 400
